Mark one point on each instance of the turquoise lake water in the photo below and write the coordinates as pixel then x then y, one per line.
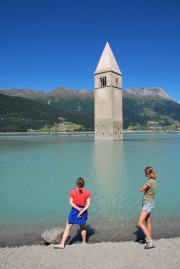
pixel 38 172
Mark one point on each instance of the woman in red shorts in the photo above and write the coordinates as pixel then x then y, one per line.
pixel 79 199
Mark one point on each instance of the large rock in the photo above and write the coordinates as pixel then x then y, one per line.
pixel 53 235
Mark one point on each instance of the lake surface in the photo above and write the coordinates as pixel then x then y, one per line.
pixel 38 172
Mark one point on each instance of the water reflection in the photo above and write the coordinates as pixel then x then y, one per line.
pixel 109 174
pixel 110 206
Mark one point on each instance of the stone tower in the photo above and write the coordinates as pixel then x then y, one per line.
pixel 108 98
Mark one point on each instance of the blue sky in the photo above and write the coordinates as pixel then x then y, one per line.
pixel 46 44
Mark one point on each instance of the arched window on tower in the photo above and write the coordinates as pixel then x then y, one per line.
pixel 103 82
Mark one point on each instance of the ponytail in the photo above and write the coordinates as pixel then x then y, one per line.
pixel 80 184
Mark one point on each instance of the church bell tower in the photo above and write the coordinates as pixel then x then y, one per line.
pixel 108 98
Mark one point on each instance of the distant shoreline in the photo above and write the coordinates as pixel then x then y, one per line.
pixel 80 133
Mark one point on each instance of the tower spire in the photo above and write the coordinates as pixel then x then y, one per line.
pixel 107 61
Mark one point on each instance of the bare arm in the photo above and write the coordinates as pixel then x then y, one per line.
pixel 144 188
pixel 73 205
pixel 88 203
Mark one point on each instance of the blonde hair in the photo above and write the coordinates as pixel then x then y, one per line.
pixel 150 172
pixel 80 183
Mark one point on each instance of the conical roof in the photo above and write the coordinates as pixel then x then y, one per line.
pixel 107 61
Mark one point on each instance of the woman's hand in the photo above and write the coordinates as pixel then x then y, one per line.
pixel 79 215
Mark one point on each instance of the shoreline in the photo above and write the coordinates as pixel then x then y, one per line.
pixel 75 239
pixel 91 133
pixel 20 238
pixel 105 255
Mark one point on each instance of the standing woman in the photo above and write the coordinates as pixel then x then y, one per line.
pixel 149 189
pixel 79 199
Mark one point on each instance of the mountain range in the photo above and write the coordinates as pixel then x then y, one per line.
pixel 69 110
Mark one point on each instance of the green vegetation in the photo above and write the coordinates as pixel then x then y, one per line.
pixel 18 114
pixel 68 110
pixel 150 114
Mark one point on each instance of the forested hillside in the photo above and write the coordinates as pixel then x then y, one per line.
pixel 26 110
pixel 18 114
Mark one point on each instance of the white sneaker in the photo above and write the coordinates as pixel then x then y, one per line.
pixel 149 244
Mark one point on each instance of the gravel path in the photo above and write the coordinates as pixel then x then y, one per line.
pixel 99 255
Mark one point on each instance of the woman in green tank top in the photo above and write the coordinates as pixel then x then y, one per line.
pixel 149 189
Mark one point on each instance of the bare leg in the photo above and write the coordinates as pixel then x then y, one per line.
pixel 148 223
pixel 65 235
pixel 83 233
pixel 147 230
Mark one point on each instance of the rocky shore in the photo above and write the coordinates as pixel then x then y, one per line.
pixel 99 255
